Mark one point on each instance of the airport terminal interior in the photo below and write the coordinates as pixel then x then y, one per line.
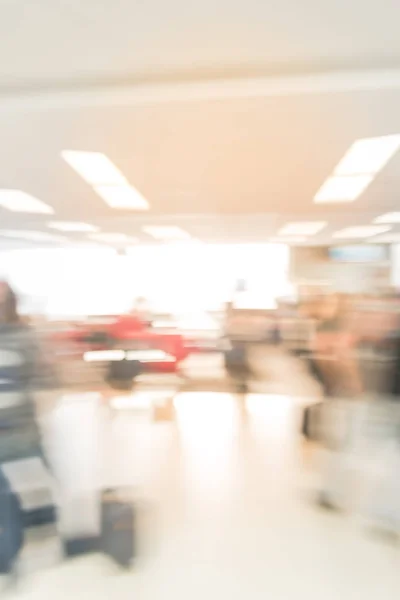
pixel 199 300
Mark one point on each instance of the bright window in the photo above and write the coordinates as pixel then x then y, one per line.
pixel 180 279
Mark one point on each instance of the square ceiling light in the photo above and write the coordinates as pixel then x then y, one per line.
pixel 359 166
pixel 362 231
pixel 94 167
pixel 122 197
pixel 32 236
pixel 167 232
pixel 106 179
pixel 343 189
pixel 18 201
pixel 72 226
pixel 393 217
pixel 302 228
pixel 368 155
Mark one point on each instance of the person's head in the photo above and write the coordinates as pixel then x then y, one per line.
pixel 8 304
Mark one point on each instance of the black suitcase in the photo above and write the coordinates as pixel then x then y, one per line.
pixel 117 530
pixel 117 536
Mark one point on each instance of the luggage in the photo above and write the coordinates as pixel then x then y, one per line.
pixel 11 527
pixel 117 536
pixel 117 529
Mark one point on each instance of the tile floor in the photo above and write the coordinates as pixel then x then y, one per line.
pixel 224 505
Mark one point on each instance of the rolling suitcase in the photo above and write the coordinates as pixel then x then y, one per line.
pixel 117 533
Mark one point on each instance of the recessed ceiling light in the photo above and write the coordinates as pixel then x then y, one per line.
pixel 107 180
pixel 361 231
pixel 18 201
pixel 94 167
pixel 343 189
pixel 161 232
pixel 393 217
pixel 113 238
pixel 365 158
pixel 368 155
pixel 33 236
pixel 122 196
pixel 302 228
pixel 72 226
pixel 295 239
pixel 386 238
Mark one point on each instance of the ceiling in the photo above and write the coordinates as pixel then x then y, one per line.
pixel 55 42
pixel 226 116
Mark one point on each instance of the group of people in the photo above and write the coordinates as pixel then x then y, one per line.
pixel 354 346
pixel 354 353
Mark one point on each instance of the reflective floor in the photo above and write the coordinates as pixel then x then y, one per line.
pixel 224 498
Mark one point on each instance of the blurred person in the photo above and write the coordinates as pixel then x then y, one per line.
pixel 391 346
pixel 236 353
pixel 332 359
pixel 334 347
pixel 26 485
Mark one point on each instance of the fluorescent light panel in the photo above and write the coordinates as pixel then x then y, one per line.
pixel 161 232
pixel 123 197
pixel 361 231
pixel 302 228
pixel 342 189
pixel 368 155
pixel 107 180
pixel 94 167
pixel 18 201
pixel 393 217
pixel 74 226
pixel 361 163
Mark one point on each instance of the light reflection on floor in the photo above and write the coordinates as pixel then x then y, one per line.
pixel 230 521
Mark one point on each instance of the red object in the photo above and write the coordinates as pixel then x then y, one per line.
pixel 125 326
